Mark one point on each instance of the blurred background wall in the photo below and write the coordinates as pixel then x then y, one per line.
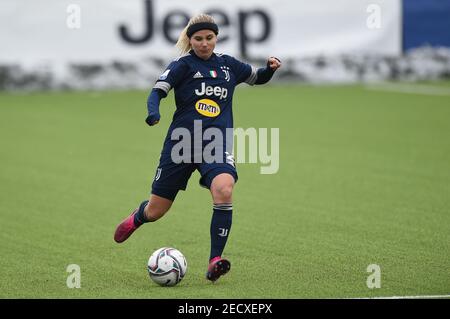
pixel 112 44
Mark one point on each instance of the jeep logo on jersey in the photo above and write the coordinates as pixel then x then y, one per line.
pixel 209 90
pixel 207 108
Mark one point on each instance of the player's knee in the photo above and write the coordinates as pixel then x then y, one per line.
pixel 223 192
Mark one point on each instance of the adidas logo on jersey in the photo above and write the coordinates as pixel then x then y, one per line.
pixel 198 75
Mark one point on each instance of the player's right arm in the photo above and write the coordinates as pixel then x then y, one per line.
pixel 169 79
pixel 153 100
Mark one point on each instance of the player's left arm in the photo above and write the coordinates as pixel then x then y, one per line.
pixel 249 74
pixel 263 75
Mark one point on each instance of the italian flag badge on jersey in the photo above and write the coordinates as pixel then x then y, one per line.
pixel 213 73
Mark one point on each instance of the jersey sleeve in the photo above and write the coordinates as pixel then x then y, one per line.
pixel 244 72
pixel 171 77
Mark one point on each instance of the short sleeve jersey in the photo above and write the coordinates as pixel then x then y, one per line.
pixel 203 90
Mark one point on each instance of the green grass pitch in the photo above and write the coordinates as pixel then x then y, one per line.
pixel 364 179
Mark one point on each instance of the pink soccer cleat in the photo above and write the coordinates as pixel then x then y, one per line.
pixel 218 266
pixel 127 226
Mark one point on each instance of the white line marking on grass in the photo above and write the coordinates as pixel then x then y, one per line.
pixel 410 89
pixel 407 297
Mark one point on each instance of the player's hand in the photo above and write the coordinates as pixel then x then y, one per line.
pixel 153 119
pixel 274 63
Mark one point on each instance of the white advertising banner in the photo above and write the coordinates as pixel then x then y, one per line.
pixel 61 31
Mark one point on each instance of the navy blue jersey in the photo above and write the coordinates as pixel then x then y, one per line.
pixel 203 91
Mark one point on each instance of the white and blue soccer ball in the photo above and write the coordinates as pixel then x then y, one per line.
pixel 167 266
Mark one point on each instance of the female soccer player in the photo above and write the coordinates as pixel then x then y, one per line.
pixel 204 83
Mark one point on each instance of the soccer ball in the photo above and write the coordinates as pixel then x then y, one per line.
pixel 167 266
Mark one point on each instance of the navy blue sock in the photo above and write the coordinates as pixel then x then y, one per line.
pixel 220 228
pixel 139 217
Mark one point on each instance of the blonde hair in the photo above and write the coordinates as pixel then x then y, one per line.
pixel 183 43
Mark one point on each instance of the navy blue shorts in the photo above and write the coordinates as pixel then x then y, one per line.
pixel 172 177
